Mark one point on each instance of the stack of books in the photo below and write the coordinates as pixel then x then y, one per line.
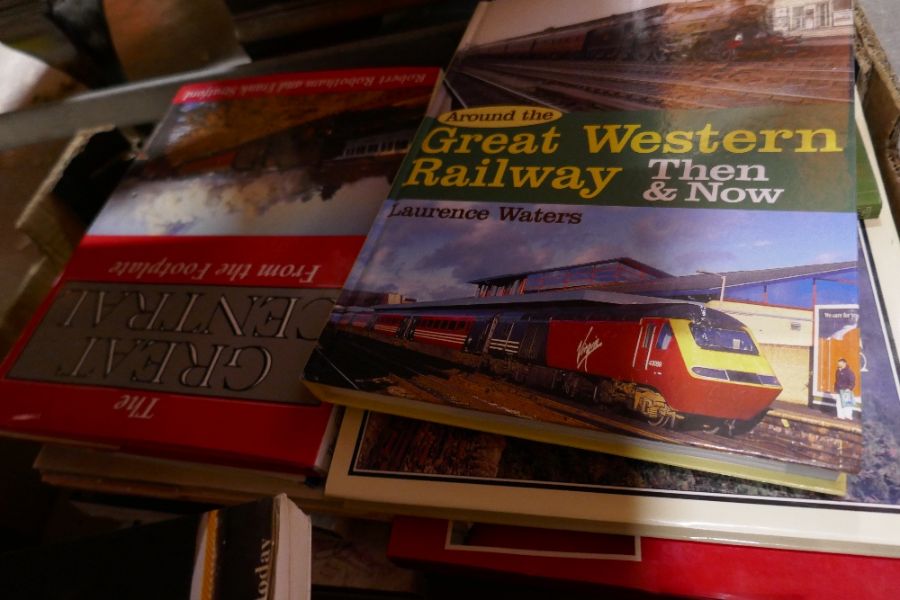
pixel 619 288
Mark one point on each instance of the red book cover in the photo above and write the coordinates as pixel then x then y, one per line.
pixel 690 569
pixel 184 319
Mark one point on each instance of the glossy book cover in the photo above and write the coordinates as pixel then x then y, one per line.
pixel 181 323
pixel 625 226
pixel 421 468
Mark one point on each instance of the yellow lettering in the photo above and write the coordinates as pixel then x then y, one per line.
pixel 739 141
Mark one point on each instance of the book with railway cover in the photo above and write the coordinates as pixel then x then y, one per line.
pixel 182 322
pixel 420 468
pixel 625 226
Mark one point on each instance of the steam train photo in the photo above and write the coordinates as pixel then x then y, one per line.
pixel 673 362
pixel 707 29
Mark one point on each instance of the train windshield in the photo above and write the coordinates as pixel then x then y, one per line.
pixel 726 340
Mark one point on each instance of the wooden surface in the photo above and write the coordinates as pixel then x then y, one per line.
pixel 153 38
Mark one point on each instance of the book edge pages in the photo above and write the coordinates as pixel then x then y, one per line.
pixel 788 527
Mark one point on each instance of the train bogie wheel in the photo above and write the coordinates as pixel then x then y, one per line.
pixel 670 420
pixel 655 409
pixel 738 427
pixel 727 428
pixel 660 420
pixel 703 424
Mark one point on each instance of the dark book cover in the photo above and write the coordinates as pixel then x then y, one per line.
pixel 230 553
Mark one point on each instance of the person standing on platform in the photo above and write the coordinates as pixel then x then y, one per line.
pixel 844 382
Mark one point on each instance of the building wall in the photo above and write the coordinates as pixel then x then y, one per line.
pixel 772 324
pixel 792 367
pixel 810 17
pixel 785 338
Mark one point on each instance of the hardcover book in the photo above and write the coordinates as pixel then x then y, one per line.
pixel 120 473
pixel 420 468
pixel 680 568
pixel 182 321
pixel 628 227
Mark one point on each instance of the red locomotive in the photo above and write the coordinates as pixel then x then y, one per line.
pixel 674 362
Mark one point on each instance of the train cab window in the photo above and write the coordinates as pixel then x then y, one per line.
pixel 665 337
pixel 726 340
pixel 648 336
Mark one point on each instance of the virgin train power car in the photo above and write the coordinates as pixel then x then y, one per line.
pixel 674 362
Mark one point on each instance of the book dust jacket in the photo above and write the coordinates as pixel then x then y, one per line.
pixel 449 472
pixel 186 314
pixel 629 227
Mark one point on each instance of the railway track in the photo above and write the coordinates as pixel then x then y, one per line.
pixel 798 71
pixel 375 366
pixel 582 85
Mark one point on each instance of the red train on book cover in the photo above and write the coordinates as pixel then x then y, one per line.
pixel 623 227
pixel 572 342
